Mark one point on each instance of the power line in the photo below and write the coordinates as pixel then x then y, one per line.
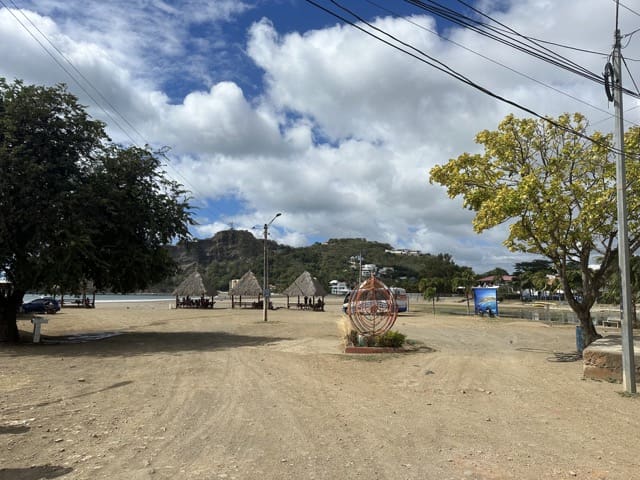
pixel 444 69
pixel 524 75
pixel 81 76
pixel 624 6
pixel 64 68
pixel 509 37
pixel 81 86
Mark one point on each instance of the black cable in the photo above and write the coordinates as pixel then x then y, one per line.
pixel 81 76
pixel 81 86
pixel 517 72
pixel 455 74
pixel 630 74
pixel 499 36
pixel 624 6
pixel 568 47
pixel 513 31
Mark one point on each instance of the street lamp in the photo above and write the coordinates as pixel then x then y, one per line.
pixel 265 278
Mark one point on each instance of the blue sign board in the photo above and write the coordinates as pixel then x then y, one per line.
pixel 485 300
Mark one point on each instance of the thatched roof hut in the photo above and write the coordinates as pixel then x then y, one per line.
pixel 193 287
pixel 308 287
pixel 248 286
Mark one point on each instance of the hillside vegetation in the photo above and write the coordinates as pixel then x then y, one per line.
pixel 231 253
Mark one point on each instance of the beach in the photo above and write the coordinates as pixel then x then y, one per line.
pixel 141 390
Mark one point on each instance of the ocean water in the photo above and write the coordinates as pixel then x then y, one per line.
pixel 112 298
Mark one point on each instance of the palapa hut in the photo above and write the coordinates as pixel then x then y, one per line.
pixel 308 288
pixel 192 293
pixel 248 286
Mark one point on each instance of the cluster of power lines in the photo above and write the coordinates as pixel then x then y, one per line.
pixel 487 26
pixel 478 22
pixel 66 65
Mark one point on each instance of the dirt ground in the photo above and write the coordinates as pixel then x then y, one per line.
pixel 219 394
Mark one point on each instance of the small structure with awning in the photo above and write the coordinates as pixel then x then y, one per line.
pixel 81 296
pixel 309 289
pixel 247 287
pixel 192 293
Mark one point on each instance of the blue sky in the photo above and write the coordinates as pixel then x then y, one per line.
pixel 276 106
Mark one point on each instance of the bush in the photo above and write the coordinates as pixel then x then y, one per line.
pixel 391 339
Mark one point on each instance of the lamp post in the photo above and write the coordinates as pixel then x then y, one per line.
pixel 265 277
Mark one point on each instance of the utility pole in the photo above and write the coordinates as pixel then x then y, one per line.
pixel 266 294
pixel 628 360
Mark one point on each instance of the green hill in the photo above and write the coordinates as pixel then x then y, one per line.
pixel 231 253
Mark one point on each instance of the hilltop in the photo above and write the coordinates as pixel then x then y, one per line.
pixel 231 253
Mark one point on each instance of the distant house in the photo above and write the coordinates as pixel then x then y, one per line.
pixel 368 270
pixel 404 251
pixel 493 280
pixel 385 271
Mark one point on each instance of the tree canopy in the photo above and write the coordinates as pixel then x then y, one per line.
pixel 557 191
pixel 76 207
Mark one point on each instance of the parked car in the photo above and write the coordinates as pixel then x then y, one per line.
pixel 41 305
pixel 399 294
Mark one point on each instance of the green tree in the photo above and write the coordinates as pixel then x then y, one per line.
pixel 430 293
pixel 611 292
pixel 74 206
pixel 557 191
pixel 465 280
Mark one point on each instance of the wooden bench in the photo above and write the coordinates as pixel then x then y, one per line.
pixel 612 322
pixel 37 323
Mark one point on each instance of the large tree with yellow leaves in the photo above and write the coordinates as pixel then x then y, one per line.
pixel 556 189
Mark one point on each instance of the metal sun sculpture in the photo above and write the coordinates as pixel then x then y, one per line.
pixel 372 308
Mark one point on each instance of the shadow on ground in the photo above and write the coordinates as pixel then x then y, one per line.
pixel 34 473
pixel 13 429
pixel 136 343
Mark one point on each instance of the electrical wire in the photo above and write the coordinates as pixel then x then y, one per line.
pixel 501 35
pixel 519 35
pixel 64 69
pixel 509 37
pixel 524 75
pixel 88 82
pixel 624 6
pixel 448 70
pixel 630 74
pixel 82 87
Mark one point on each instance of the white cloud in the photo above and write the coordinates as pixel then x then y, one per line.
pixel 343 135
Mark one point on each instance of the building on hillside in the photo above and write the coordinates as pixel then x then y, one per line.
pixel 385 271
pixel 404 251
pixel 495 280
pixel 368 270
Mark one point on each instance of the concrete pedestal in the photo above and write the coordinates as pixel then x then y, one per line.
pixel 602 360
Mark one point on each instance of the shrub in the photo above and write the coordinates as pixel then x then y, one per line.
pixel 391 339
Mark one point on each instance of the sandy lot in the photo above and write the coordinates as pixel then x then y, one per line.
pixel 188 394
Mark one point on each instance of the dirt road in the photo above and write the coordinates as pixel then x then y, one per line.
pixel 188 394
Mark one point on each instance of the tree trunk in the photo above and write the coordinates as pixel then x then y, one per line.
pixel 589 333
pixel 8 307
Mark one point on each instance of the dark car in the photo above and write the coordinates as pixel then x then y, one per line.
pixel 41 305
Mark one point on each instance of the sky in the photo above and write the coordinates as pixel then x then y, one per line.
pixel 276 106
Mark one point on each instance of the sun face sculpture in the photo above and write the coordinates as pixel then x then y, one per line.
pixel 372 308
